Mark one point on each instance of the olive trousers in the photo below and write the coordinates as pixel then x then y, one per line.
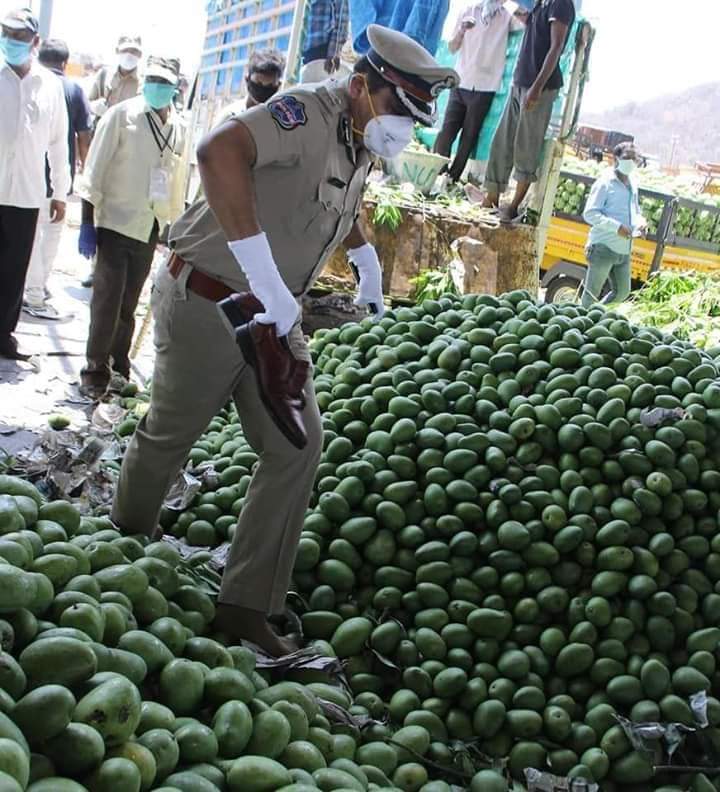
pixel 198 368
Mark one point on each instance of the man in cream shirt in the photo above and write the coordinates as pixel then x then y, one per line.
pixel 128 197
pixel 33 123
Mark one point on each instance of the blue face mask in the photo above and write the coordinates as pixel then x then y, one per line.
pixel 16 53
pixel 526 5
pixel 158 95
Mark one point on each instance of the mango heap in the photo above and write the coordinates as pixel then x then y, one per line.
pixel 512 541
pixel 517 507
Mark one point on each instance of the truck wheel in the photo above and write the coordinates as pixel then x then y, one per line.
pixel 563 289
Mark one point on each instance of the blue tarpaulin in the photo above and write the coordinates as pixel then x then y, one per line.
pixel 422 20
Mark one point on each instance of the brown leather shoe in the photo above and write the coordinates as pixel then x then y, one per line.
pixel 280 376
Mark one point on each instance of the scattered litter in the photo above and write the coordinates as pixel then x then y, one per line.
pixel 546 782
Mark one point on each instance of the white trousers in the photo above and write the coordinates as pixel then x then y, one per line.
pixel 45 248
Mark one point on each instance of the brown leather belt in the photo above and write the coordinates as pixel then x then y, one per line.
pixel 198 282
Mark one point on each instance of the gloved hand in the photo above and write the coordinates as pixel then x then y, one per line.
pixel 256 261
pixel 99 106
pixel 87 243
pixel 365 260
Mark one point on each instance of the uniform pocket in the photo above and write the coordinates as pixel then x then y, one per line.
pixel 328 207
pixel 165 293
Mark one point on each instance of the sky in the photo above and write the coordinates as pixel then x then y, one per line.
pixel 168 27
pixel 644 48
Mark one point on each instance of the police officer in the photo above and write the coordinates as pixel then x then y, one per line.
pixel 283 184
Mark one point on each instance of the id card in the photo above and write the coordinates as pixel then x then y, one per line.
pixel 159 184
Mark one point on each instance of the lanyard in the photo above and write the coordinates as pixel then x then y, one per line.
pixel 162 142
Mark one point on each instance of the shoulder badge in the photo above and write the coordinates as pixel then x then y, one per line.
pixel 288 112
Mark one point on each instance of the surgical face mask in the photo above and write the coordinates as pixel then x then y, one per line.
pixel 16 53
pixel 128 61
pixel 261 93
pixel 158 95
pixel 387 135
pixel 626 166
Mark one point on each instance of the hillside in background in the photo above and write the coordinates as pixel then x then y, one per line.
pixel 692 117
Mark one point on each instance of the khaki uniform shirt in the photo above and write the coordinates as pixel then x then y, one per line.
pixel 116 88
pixel 118 173
pixel 309 180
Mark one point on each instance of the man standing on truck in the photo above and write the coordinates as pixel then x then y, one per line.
pixel 613 211
pixel 519 139
pixel 284 182
pixel 480 38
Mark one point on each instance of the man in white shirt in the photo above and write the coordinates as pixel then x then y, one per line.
pixel 33 122
pixel 480 37
pixel 129 194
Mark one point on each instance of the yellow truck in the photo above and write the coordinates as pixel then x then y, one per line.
pixel 683 235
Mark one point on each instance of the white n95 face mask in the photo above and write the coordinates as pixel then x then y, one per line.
pixel 128 61
pixel 387 135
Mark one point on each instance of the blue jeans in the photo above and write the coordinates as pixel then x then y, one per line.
pixel 604 263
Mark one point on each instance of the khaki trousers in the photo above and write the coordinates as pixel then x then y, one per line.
pixel 198 368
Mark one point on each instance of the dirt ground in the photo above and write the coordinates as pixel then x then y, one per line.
pixel 31 392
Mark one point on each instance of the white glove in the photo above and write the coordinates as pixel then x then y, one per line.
pixel 256 261
pixel 99 106
pixel 365 260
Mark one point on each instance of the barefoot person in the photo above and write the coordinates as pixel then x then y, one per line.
pixel 519 139
pixel 284 182
pixel 480 38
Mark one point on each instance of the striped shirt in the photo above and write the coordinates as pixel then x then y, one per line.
pixel 327 26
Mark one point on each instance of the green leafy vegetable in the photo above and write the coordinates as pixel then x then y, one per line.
pixel 431 284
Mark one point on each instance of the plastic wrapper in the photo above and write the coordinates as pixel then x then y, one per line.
pixel 182 492
pixel 659 415
pixel 655 739
pixel 538 781
pixel 698 705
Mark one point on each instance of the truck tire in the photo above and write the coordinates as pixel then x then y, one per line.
pixel 563 289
